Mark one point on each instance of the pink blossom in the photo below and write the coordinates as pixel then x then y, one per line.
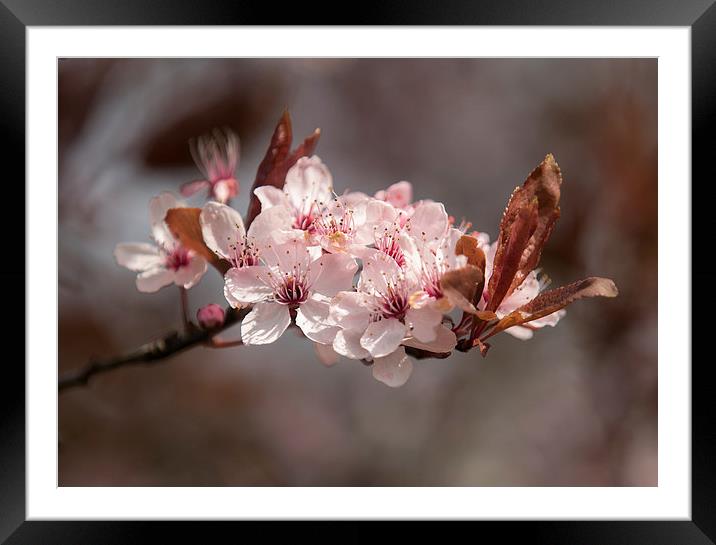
pixel 223 231
pixel 400 195
pixel 308 188
pixel 210 316
pixel 348 223
pixel 292 279
pixel 216 155
pixel 166 261
pixel 377 318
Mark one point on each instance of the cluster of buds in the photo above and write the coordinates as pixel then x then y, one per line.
pixel 382 279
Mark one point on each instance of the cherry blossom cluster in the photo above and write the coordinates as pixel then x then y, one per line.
pixel 375 278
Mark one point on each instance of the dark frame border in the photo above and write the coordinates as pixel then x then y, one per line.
pixel 15 15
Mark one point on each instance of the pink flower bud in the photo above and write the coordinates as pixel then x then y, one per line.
pixel 210 316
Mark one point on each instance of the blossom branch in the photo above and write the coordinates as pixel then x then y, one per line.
pixel 152 352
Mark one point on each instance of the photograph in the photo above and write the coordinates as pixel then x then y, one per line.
pixel 357 272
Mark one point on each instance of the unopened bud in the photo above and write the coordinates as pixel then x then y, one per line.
pixel 210 316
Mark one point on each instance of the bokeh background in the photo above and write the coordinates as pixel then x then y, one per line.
pixel 577 405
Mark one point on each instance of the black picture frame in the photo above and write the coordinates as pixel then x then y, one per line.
pixel 16 15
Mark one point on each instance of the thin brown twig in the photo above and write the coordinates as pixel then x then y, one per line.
pixel 151 352
pixel 184 297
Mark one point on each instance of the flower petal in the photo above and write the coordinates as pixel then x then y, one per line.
pixel 393 370
pixel 190 275
pixel 383 337
pixel 429 222
pixel 444 342
pixel 347 343
pixel 248 284
pixel 233 301
pixel 423 322
pixel 379 269
pixel 312 318
pixel 269 222
pixel 189 188
pixel 158 208
pixel 307 182
pixel 137 256
pixel 520 332
pixel 326 355
pixel 269 196
pixel 399 194
pixel 335 273
pixel 350 310
pixel 265 323
pixel 154 279
pixel 221 227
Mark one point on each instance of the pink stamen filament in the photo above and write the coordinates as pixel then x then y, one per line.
pixel 388 244
pixel 393 303
pixel 243 253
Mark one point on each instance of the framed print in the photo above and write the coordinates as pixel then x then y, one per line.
pixel 432 266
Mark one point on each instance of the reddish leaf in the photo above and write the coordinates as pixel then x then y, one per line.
pixel 278 160
pixel 467 246
pixel 184 225
pixel 551 301
pixel 544 183
pixel 543 186
pixel 461 286
pixel 512 241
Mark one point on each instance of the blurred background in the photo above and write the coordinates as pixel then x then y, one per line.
pixel 575 406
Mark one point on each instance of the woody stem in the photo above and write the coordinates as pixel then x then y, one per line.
pixel 184 298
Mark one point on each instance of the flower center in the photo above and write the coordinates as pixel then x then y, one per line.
pixel 338 227
pixel 394 302
pixel 244 253
pixel 177 258
pixel 430 279
pixel 387 243
pixel 304 217
pixel 292 285
pixel 290 288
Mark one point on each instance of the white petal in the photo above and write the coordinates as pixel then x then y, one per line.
pixel 383 337
pixel 265 323
pixel 308 181
pixel 378 270
pixel 248 284
pixel 444 342
pixel 189 188
pixel 221 227
pixel 549 320
pixel 393 370
pixel 350 310
pixel 191 274
pixel 429 222
pixel 137 256
pixel 373 216
pixel 423 322
pixel 312 318
pixel 336 272
pixel 270 221
pixel 525 292
pixel 269 196
pixel 233 301
pixel 347 343
pixel 326 355
pixel 399 194
pixel 158 207
pixel 519 332
pixel 154 279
